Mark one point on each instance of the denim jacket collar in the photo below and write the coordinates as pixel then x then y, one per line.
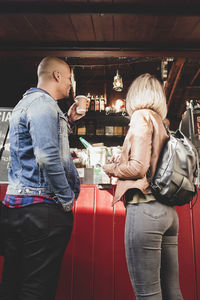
pixel 35 89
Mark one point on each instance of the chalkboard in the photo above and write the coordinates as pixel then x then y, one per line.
pixel 5 114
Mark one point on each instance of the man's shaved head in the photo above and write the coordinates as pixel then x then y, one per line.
pixel 50 64
pixel 54 77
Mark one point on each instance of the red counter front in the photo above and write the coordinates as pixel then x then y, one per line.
pixel 94 266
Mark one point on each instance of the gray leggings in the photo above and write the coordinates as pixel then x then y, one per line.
pixel 151 251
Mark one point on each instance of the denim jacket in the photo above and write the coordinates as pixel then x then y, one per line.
pixel 40 159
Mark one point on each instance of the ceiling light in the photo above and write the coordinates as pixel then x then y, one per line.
pixel 117 83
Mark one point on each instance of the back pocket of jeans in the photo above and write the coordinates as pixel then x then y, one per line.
pixel 154 211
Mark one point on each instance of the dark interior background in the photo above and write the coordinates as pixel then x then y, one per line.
pixel 97 37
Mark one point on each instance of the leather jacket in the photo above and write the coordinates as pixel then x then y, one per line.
pixel 140 152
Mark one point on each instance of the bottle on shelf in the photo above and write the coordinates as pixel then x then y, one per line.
pixel 92 104
pixel 118 130
pixel 101 103
pixel 100 130
pixel 90 128
pixel 81 130
pixel 89 96
pixel 109 130
pixel 97 103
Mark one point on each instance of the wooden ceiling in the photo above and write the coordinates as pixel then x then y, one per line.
pixel 116 27
pixel 111 31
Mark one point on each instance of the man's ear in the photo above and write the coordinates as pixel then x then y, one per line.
pixel 56 75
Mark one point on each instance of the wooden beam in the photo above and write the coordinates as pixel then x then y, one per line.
pixel 99 45
pixel 193 87
pixel 99 49
pixel 195 77
pixel 92 53
pixel 182 106
pixel 173 79
pixel 186 94
pixel 58 7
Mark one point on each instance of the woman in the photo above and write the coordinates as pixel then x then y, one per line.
pixel 151 228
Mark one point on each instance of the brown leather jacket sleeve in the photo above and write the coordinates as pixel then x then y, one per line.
pixel 136 151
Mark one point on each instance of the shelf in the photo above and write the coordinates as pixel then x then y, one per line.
pixel 107 140
pixel 102 118
pixel 99 120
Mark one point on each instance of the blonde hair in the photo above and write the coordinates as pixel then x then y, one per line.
pixel 146 92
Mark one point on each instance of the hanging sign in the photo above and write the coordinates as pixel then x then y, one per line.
pixel 5 114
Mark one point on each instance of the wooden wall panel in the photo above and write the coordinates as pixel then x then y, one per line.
pixel 186 254
pixel 50 28
pixel 98 28
pixel 134 28
pixel 83 1
pixel 145 24
pixel 3 188
pixel 102 1
pixel 10 27
pixel 183 28
pixel 195 32
pixel 125 28
pixel 94 265
pixel 142 2
pixel 163 27
pixel 153 2
pixel 108 31
pixel 123 288
pixel 83 27
pixel 65 282
pixel 76 275
pixel 83 250
pixel 103 247
pixel 196 224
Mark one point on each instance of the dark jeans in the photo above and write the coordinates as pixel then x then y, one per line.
pixel 36 237
pixel 151 251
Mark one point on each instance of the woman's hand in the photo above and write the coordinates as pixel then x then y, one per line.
pixel 108 169
pixel 115 159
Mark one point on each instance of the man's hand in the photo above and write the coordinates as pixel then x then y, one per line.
pixel 72 111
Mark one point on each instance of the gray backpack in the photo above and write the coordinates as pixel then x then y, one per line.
pixel 174 179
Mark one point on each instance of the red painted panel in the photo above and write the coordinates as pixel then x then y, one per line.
pixel 186 254
pixel 83 252
pixel 94 265
pixel 196 223
pixel 123 287
pixel 1 265
pixel 65 282
pixel 103 247
pixel 3 188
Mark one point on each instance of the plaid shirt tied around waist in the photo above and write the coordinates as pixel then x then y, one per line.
pixel 14 201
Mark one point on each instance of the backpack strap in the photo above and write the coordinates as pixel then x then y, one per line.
pixel 198 174
pixel 190 110
pixel 4 142
pixel 148 174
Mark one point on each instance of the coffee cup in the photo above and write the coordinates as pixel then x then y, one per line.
pixel 82 104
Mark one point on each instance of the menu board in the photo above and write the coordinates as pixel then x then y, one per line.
pixel 5 114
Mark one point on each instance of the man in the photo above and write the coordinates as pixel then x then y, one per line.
pixel 37 214
pixel 190 123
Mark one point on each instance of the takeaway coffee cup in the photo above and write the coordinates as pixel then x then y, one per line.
pixel 82 104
